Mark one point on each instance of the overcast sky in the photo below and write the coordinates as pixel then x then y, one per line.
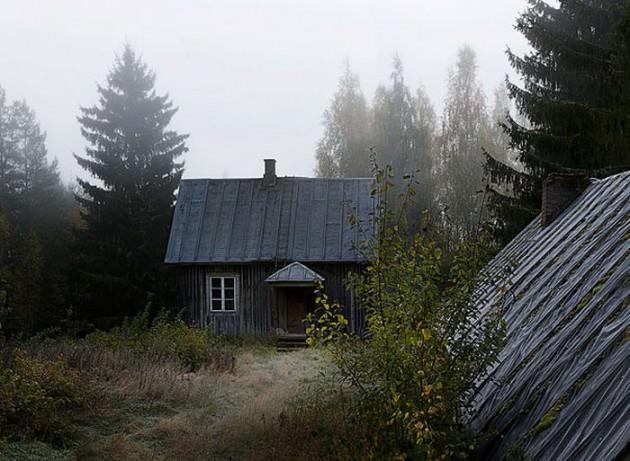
pixel 251 77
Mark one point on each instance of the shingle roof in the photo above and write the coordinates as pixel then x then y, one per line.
pixel 294 273
pixel 562 385
pixel 298 219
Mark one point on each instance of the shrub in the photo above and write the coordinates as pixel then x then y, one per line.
pixel 38 398
pixel 425 342
pixel 150 361
pixel 163 338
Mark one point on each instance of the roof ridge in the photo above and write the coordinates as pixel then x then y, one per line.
pixel 302 178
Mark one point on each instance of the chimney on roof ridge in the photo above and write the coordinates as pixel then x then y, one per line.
pixel 270 178
pixel 559 191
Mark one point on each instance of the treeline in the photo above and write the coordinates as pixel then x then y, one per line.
pixel 480 164
pixel 93 254
pixel 401 127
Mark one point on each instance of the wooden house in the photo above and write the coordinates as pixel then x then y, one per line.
pixel 251 251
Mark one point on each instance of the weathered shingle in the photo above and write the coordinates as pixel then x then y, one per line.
pixel 561 388
pixel 298 219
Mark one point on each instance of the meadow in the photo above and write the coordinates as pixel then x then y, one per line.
pixel 165 390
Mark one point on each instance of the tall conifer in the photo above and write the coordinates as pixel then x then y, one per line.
pixel 575 97
pixel 7 154
pixel 402 134
pixel 465 129
pixel 343 151
pixel 33 205
pixel 127 212
pixel 35 185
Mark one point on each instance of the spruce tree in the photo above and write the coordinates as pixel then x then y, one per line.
pixel 465 129
pixel 35 184
pixel 127 212
pixel 393 124
pixel 39 211
pixel 343 151
pixel 34 209
pixel 402 134
pixel 7 154
pixel 574 97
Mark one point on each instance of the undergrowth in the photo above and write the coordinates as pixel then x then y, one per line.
pixel 162 338
pixel 49 386
pixel 38 399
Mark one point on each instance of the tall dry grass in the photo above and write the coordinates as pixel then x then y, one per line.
pixel 147 375
pixel 277 407
pixel 324 423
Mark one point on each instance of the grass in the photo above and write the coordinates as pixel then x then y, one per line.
pixel 258 389
pixel 143 403
pixel 324 424
pixel 165 391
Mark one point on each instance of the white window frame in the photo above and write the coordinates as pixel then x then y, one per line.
pixel 222 277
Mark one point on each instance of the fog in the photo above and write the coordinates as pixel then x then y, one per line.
pixel 251 78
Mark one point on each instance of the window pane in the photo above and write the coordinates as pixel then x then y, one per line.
pixel 216 282
pixel 216 304
pixel 229 293
pixel 229 304
pixel 216 293
pixel 229 282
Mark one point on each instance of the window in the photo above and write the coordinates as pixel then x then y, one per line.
pixel 222 293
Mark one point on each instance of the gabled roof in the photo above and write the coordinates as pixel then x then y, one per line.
pixel 562 384
pixel 294 273
pixel 298 219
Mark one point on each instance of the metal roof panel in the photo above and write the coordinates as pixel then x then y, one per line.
pixel 565 361
pixel 298 219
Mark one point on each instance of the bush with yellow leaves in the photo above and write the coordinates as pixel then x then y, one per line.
pixel 425 343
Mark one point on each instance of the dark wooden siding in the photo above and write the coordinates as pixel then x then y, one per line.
pixel 255 314
pixel 336 276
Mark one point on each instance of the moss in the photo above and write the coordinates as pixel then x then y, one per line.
pixel 551 415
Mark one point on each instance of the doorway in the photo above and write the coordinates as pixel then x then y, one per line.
pixel 293 297
pixel 294 304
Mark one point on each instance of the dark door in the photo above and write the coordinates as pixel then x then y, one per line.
pixel 296 310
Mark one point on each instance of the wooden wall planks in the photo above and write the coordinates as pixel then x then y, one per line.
pixel 256 313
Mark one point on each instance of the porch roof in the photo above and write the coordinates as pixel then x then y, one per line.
pixel 295 272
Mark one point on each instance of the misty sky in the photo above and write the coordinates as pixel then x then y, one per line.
pixel 251 77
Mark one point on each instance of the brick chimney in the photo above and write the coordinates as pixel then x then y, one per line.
pixel 270 178
pixel 559 191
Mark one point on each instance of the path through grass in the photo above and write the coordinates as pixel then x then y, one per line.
pixel 262 383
